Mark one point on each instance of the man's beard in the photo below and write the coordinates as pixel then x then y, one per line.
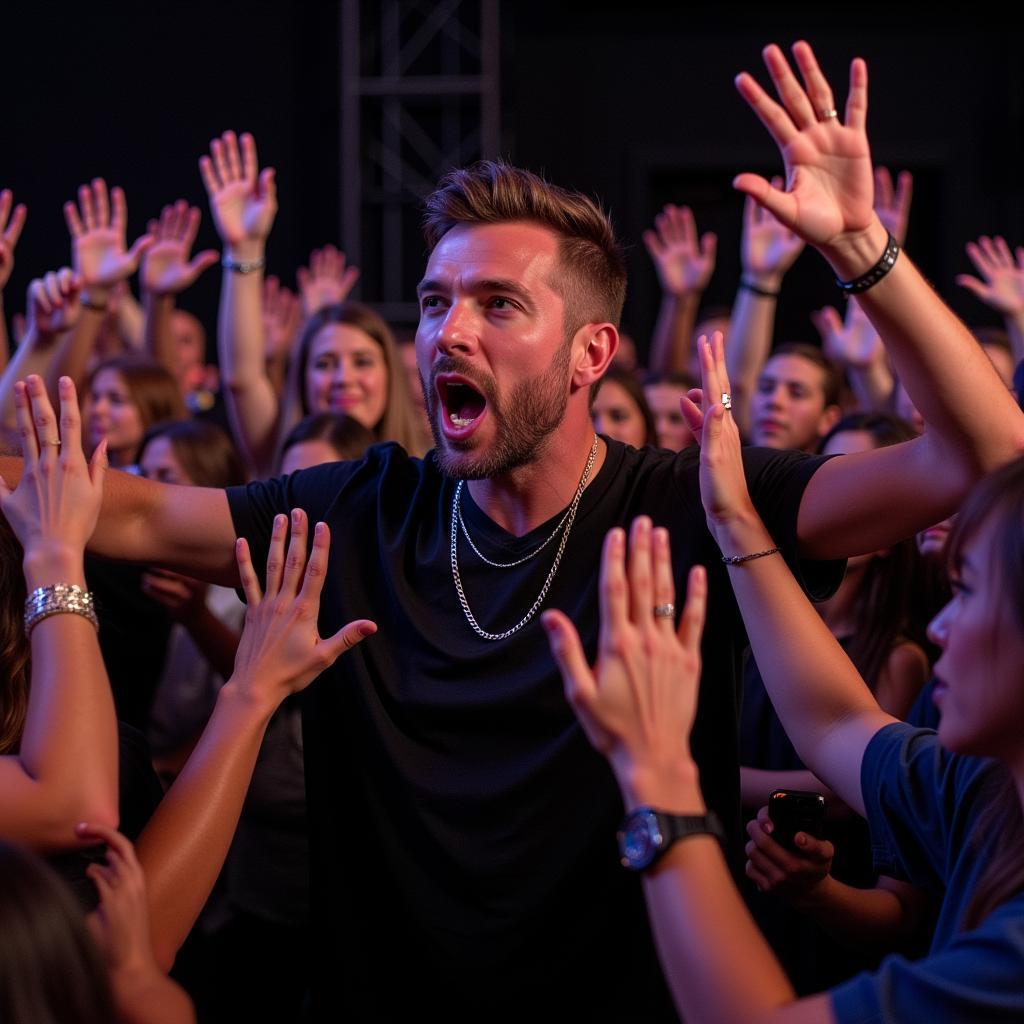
pixel 523 420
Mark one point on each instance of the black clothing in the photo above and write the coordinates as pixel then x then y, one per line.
pixel 462 829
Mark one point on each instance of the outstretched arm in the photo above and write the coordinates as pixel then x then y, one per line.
pixel 767 250
pixel 684 264
pixel 860 503
pixel 1001 286
pixel 65 769
pixel 166 271
pixel 11 223
pixel 184 845
pixel 243 201
pixel 101 258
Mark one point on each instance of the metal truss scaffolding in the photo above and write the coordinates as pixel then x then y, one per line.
pixel 419 94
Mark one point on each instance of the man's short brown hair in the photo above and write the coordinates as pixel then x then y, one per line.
pixel 593 279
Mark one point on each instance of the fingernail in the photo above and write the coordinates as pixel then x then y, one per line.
pixel 296 517
pixel 319 529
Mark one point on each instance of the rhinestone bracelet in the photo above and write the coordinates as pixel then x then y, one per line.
pixel 58 599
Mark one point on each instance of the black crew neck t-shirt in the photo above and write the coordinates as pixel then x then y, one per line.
pixel 462 829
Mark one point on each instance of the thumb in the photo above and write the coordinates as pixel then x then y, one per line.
pixel 567 650
pixel 267 187
pixel 692 412
pixel 827 321
pixel 778 203
pixel 99 464
pixel 202 261
pixel 972 284
pixel 141 244
pixel 347 637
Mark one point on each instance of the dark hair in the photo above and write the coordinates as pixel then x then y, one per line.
pixel 882 606
pixel 632 387
pixel 593 279
pixel 152 388
pixel 831 376
pixel 50 969
pixel 205 452
pixel 998 499
pixel 397 423
pixel 347 436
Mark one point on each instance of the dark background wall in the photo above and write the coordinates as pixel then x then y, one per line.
pixel 628 101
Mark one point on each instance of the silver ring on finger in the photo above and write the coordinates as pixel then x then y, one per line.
pixel 828 114
pixel 56 444
pixel 726 401
pixel 665 611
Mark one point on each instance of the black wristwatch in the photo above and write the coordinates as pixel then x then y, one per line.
pixel 646 834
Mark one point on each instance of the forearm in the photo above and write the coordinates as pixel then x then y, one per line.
pixel 757 785
pixel 825 707
pixel 673 333
pixel 157 334
pixel 35 354
pixel 701 927
pixel 75 349
pixel 5 341
pixel 145 996
pixel 251 399
pixel 749 343
pixel 131 321
pixel 872 385
pixel 876 920
pixel 945 371
pixel 69 747
pixel 182 848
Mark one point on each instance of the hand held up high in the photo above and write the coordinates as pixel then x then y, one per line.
pixel 54 509
pixel 828 198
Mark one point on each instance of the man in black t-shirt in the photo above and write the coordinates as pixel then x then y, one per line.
pixel 462 831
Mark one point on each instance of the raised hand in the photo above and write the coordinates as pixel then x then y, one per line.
pixel 893 204
pixel 281 650
pixel 166 267
pixel 638 702
pixel 98 253
pixel 56 504
pixel 853 342
pixel 767 248
pixel 326 281
pixel 183 597
pixel 281 318
pixel 10 231
pixel 1002 284
pixel 723 485
pixel 243 199
pixel 773 868
pixel 54 302
pixel 829 183
pixel 684 263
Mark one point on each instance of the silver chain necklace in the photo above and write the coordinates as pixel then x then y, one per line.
pixel 567 520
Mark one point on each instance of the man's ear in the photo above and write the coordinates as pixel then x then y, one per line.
pixel 829 418
pixel 593 349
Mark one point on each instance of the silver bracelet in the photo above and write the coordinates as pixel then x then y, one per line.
pixel 740 559
pixel 242 266
pixel 58 599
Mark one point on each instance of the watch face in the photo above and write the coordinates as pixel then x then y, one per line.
pixel 640 840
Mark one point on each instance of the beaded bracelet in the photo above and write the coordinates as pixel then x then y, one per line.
pixel 58 599
pixel 242 266
pixel 740 559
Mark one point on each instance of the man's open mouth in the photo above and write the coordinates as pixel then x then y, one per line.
pixel 461 401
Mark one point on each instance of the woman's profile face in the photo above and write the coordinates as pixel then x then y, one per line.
pixel 159 462
pixel 979 690
pixel 616 415
pixel 111 413
pixel 346 372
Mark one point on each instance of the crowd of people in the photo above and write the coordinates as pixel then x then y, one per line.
pixel 473 543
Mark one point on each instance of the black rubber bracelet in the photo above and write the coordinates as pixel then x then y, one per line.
pixel 757 290
pixel 876 273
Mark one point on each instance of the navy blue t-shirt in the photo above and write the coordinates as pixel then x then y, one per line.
pixel 922 805
pixel 462 829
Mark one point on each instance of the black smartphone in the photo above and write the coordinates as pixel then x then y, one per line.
pixel 792 811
